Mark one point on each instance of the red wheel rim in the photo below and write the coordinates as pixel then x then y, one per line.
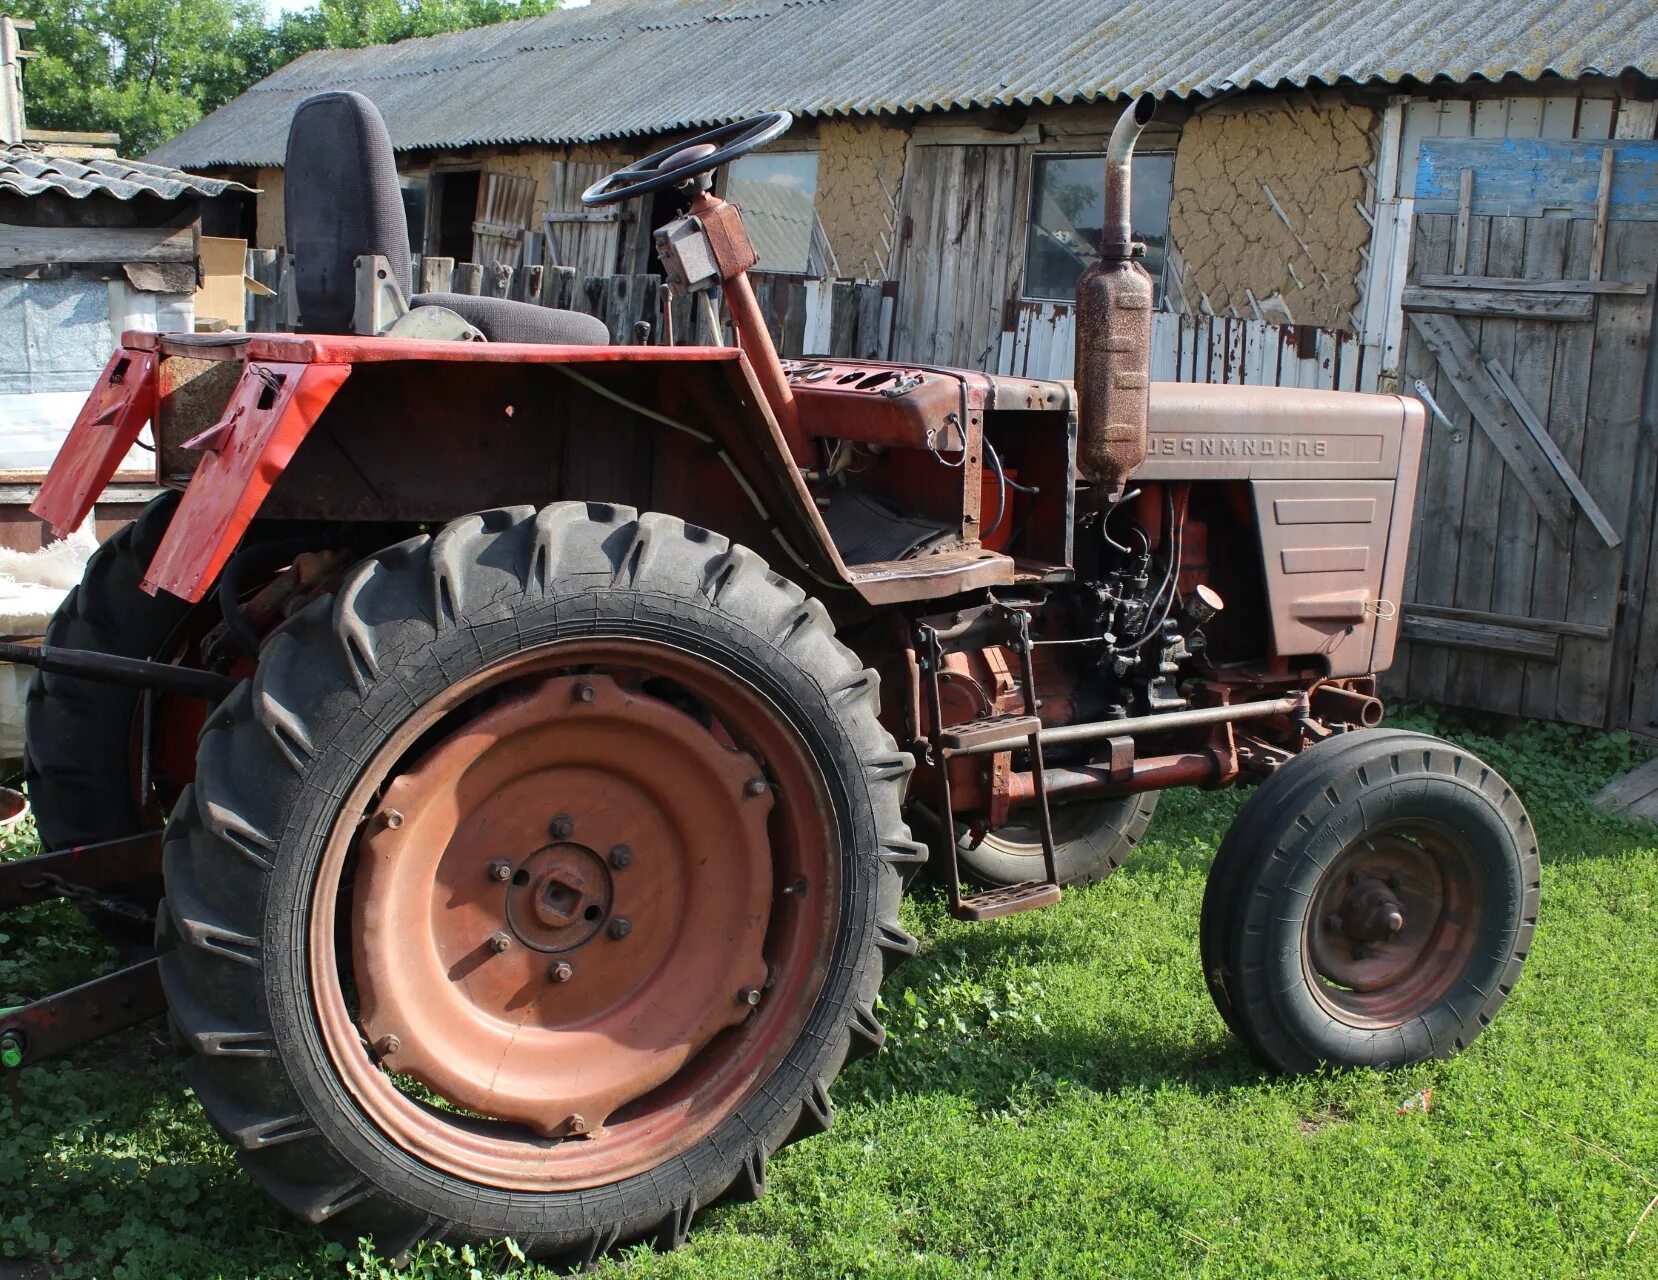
pixel 1392 925
pixel 593 897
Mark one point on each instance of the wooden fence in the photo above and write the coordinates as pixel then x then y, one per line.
pixel 1041 342
pixel 845 318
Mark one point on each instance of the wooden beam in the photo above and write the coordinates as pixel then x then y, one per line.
pixel 1603 210
pixel 1539 433
pixel 44 246
pixel 1515 285
pixel 1485 636
pixel 79 137
pixel 1501 304
pixel 1550 626
pixel 1461 361
pixel 1465 209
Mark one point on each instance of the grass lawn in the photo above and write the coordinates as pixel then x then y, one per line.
pixel 1058 1099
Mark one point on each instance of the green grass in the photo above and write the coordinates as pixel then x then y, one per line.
pixel 1058 1099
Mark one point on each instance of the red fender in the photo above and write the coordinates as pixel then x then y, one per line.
pixel 273 407
pixel 117 408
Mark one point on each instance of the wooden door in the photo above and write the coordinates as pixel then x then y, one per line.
pixel 957 221
pixel 586 239
pixel 505 203
pixel 1530 308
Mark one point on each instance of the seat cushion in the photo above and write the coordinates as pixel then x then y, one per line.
pixel 341 201
pixel 503 320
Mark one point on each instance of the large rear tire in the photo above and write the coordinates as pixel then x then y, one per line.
pixel 682 708
pixel 1372 906
pixel 78 734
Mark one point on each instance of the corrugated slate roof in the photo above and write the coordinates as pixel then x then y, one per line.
pixel 624 67
pixel 31 173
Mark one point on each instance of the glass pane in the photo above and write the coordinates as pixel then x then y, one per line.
pixel 414 187
pixel 1068 214
pixel 776 194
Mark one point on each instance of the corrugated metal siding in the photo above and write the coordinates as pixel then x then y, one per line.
pixel 646 66
pixel 30 173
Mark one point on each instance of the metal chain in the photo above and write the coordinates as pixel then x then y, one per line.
pixel 79 893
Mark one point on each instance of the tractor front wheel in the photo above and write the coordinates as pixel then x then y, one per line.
pixel 538 885
pixel 1372 905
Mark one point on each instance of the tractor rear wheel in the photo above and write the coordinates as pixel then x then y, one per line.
pixel 1373 904
pixel 1091 840
pixel 79 764
pixel 538 885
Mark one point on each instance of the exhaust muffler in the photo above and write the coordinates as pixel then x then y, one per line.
pixel 1114 301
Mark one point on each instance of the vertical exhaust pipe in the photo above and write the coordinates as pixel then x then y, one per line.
pixel 1114 299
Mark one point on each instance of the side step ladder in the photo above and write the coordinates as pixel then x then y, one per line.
pixel 1027 895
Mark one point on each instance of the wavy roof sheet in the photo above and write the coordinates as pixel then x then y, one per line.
pixel 30 173
pixel 622 67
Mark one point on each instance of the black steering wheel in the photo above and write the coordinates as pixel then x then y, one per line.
pixel 701 154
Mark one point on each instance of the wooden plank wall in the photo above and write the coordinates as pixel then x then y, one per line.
pixel 1194 348
pixel 958 217
pixel 1501 612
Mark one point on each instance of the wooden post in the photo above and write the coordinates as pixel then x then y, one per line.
pixel 530 277
pixel 265 313
pixel 469 278
pixel 437 275
pixel 500 280
pixel 558 288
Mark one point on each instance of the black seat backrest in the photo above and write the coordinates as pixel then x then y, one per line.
pixel 341 200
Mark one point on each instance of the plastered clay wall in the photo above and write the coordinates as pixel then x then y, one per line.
pixel 860 164
pixel 1311 155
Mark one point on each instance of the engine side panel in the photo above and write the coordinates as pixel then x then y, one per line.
pixel 1333 484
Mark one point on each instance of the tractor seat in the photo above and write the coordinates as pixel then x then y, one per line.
pixel 342 201
pixel 503 320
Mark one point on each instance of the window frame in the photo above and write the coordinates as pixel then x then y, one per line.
pixel 1033 194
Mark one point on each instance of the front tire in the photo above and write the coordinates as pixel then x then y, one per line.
pixel 1373 904
pixel 443 668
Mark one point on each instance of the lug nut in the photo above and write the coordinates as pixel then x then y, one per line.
pixel 500 869
pixel 620 856
pixel 563 971
pixel 1333 921
pixel 577 1123
pixel 620 927
pixel 749 996
pixel 1394 921
pixel 498 942
pixel 584 692
pixel 563 826
pixel 392 819
pixel 387 1045
pixel 797 888
pixel 755 786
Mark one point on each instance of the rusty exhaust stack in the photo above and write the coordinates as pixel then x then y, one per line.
pixel 1114 297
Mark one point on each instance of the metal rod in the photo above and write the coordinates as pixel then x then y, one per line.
pixel 1117 238
pixel 110 668
pixel 1093 731
pixel 58 1023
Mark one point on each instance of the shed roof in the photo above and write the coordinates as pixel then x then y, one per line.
pixel 29 172
pixel 625 67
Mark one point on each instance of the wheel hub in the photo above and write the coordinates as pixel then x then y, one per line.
pixel 1390 924
pixel 558 898
pixel 578 981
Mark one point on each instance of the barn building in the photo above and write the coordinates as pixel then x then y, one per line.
pixel 1454 201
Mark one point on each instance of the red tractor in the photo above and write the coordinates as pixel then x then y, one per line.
pixel 521 743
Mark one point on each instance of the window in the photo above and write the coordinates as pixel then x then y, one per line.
pixel 1068 214
pixel 776 193
pixel 415 187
